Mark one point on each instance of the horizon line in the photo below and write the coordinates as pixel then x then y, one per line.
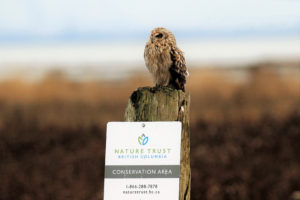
pixel 74 36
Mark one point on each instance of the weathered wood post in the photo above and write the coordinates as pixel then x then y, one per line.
pixel 165 104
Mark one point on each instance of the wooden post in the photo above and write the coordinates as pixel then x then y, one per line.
pixel 165 104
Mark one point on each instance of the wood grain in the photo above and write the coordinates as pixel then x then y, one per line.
pixel 165 104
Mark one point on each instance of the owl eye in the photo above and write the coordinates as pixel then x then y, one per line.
pixel 159 35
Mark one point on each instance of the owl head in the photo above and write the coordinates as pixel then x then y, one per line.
pixel 162 36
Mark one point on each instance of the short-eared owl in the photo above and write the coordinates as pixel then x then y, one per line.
pixel 165 60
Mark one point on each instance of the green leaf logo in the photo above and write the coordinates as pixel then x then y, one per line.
pixel 140 139
pixel 143 140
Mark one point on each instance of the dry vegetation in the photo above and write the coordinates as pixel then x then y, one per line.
pixel 245 134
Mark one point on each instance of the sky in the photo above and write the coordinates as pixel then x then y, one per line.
pixel 76 20
pixel 106 36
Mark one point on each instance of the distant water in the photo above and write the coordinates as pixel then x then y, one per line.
pixel 113 60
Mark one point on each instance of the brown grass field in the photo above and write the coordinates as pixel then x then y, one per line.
pixel 245 133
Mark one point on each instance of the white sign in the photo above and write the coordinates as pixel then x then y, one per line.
pixel 142 161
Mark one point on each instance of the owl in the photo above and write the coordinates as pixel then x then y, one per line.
pixel 165 60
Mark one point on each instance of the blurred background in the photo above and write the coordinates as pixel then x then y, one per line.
pixel 67 67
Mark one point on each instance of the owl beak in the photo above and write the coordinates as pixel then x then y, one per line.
pixel 152 40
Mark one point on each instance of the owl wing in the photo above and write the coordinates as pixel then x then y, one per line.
pixel 178 69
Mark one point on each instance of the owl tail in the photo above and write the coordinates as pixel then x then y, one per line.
pixel 178 80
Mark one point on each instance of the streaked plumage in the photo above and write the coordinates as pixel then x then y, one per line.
pixel 165 60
